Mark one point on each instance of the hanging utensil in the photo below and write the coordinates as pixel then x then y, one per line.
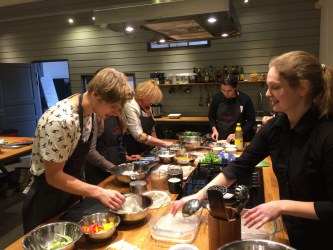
pixel 200 98
pixel 242 195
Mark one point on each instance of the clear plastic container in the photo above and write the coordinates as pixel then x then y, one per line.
pixel 164 226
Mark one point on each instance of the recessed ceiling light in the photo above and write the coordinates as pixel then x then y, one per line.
pixel 246 1
pixel 225 35
pixel 129 28
pixel 93 18
pixel 70 20
pixel 212 20
pixel 162 40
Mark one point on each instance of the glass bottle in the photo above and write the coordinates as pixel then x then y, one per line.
pixel 159 180
pixel 241 74
pixel 239 137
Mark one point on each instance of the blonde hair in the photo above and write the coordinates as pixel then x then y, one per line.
pixel 149 89
pixel 110 85
pixel 295 66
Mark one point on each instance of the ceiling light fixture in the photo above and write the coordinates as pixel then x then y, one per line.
pixel 129 28
pixel 162 40
pixel 212 20
pixel 225 35
pixel 93 18
pixel 70 20
pixel 246 1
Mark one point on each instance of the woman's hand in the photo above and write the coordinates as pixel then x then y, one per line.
pixel 133 157
pixel 261 214
pixel 265 119
pixel 111 198
pixel 230 138
pixel 178 204
pixel 215 135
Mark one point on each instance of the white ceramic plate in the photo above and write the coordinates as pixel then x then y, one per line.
pixel 159 197
pixel 174 116
pixel 183 247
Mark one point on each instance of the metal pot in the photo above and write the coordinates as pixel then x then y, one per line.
pixel 157 110
pixel 255 244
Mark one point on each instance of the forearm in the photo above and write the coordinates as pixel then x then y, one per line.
pixel 298 209
pixel 220 179
pixel 98 160
pixel 70 184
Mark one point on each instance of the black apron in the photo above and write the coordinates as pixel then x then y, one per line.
pixel 44 201
pixel 228 115
pixel 110 145
pixel 133 146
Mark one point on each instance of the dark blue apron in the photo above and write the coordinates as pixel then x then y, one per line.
pixel 110 145
pixel 134 147
pixel 44 201
pixel 228 115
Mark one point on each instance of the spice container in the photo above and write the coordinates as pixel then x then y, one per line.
pixel 159 180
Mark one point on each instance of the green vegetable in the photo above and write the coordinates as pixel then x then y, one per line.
pixel 58 242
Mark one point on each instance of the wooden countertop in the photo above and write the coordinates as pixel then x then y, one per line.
pixel 139 234
pixel 183 119
pixel 7 153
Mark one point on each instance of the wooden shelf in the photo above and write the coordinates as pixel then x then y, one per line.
pixel 208 83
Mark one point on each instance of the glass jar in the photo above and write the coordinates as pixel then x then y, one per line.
pixel 159 180
pixel 175 171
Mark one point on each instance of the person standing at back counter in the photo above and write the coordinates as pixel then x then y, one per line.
pixel 228 108
pixel 62 141
pixel 299 141
pixel 141 132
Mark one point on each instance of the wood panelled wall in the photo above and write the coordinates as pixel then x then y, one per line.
pixel 269 28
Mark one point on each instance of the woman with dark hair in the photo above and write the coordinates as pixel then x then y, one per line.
pixel 228 108
pixel 299 141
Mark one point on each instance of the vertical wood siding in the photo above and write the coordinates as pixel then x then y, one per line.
pixel 269 28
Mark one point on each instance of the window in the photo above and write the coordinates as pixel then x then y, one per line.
pixel 164 46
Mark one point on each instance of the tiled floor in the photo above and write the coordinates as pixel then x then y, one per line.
pixel 11 221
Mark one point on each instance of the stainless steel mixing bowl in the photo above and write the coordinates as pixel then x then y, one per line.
pixel 46 236
pixel 100 219
pixel 136 215
pixel 255 244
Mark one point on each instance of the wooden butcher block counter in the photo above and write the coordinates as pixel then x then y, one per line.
pixel 139 234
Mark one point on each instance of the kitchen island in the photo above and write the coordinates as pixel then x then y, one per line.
pixel 139 234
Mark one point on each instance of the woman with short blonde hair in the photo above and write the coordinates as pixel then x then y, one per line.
pixel 140 122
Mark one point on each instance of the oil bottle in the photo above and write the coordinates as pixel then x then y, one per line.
pixel 239 137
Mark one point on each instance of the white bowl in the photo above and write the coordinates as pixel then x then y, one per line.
pixel 183 247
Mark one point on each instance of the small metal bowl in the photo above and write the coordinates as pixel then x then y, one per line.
pixel 44 236
pixel 100 219
pixel 127 172
pixel 184 159
pixel 165 157
pixel 131 217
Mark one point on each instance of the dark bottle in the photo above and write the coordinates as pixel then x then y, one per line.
pixel 211 74
pixel 195 72
pixel 236 72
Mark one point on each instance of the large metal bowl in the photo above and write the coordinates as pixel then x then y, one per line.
pixel 255 244
pixel 127 172
pixel 192 141
pixel 100 219
pixel 130 217
pixel 187 134
pixel 44 237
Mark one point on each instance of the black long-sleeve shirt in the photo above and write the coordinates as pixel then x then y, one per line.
pixel 302 160
pixel 248 114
